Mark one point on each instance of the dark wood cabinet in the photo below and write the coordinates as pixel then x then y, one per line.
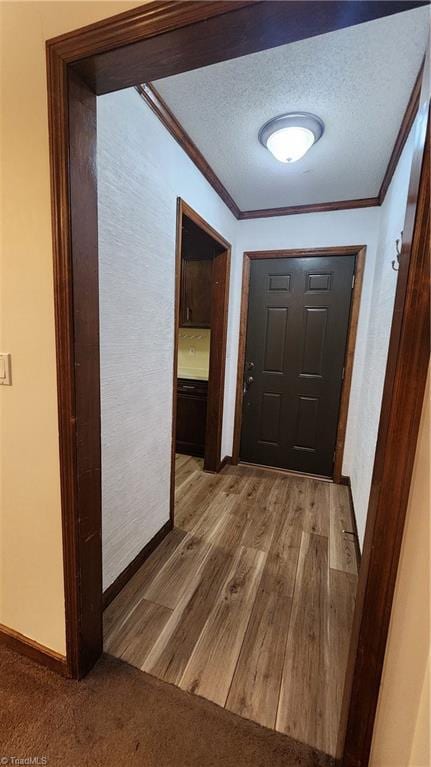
pixel 196 293
pixel 191 416
pixel 197 254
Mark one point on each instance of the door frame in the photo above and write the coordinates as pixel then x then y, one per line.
pixel 113 54
pixel 219 320
pixel 359 252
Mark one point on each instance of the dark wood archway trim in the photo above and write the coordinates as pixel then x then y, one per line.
pixel 349 250
pixel 219 320
pixel 405 380
pixel 177 30
pixel 72 130
pixel 104 56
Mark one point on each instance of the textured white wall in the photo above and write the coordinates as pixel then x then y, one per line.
pixel 365 410
pixel 141 172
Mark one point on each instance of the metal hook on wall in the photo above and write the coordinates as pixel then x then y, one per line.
pixel 398 247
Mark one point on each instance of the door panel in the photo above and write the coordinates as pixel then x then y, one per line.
pixel 275 339
pixel 307 409
pixel 270 418
pixel 315 323
pixel 298 317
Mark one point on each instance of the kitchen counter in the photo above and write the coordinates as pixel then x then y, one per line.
pixel 193 374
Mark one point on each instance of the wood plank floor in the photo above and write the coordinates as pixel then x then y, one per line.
pixel 249 600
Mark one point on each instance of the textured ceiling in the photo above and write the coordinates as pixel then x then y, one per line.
pixel 358 80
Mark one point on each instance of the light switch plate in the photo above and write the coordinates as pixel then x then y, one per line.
pixel 5 370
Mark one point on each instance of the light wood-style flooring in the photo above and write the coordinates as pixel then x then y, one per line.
pixel 249 599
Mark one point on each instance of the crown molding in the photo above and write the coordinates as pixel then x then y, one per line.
pixel 167 118
pixel 405 127
pixel 154 100
pixel 315 207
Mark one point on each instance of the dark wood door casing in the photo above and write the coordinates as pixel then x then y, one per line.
pixel 359 253
pixel 218 300
pixel 298 318
pixel 79 386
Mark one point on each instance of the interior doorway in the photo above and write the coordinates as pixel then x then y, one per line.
pixel 299 318
pixel 202 295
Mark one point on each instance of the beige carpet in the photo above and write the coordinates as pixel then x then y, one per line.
pixel 119 716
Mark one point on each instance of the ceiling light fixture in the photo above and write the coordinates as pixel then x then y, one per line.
pixel 288 137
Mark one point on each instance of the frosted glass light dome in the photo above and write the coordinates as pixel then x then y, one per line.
pixel 289 137
pixel 290 144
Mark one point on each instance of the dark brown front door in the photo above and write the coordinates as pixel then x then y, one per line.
pixel 298 318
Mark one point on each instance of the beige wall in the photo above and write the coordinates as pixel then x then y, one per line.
pixel 31 595
pixel 420 753
pixel 401 735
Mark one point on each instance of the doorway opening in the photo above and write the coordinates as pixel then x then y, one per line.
pixel 201 315
pixel 299 319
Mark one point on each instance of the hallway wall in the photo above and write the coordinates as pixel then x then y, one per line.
pixel 141 172
pixel 370 367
